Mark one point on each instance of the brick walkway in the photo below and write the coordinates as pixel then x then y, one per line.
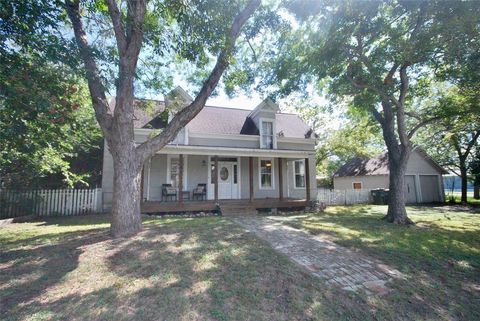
pixel 335 264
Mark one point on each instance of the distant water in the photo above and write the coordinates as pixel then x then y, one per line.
pixel 455 182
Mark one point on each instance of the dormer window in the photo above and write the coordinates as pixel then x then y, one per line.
pixel 267 138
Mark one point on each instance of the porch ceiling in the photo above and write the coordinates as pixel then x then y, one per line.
pixel 229 151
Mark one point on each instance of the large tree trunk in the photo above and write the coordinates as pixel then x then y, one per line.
pixel 126 218
pixel 118 128
pixel 476 188
pixel 127 166
pixel 464 178
pixel 396 198
pixel 398 155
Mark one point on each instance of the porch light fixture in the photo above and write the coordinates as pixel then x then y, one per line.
pixel 204 162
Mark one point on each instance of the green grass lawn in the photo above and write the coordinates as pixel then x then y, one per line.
pixel 440 255
pixel 210 269
pixel 458 196
pixel 175 269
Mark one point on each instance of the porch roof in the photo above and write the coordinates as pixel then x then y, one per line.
pixel 230 151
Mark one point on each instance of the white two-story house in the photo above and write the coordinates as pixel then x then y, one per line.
pixel 260 158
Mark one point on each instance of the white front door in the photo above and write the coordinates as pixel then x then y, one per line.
pixel 228 173
pixel 225 180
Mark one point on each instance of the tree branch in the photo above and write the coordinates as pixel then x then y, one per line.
pixel 472 142
pixel 129 57
pixel 421 124
pixel 388 80
pixel 135 20
pixel 403 84
pixel 181 119
pixel 117 26
pixel 420 19
pixel 95 85
pixel 401 126
pixel 375 112
pixel 253 50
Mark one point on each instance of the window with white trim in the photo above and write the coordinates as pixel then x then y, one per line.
pixel 266 173
pixel 357 185
pixel 175 172
pixel 267 134
pixel 299 166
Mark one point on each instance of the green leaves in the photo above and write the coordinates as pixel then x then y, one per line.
pixel 45 117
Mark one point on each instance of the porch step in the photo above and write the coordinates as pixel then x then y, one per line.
pixel 230 210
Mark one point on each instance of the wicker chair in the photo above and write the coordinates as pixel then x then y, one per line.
pixel 169 192
pixel 200 192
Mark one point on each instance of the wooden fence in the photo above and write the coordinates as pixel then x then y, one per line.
pixel 344 197
pixel 53 202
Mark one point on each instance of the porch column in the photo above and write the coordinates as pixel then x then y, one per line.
pixel 250 174
pixel 280 178
pixel 307 178
pixel 141 184
pixel 215 177
pixel 180 178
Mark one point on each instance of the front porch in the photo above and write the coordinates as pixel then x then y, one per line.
pixel 149 207
pixel 230 182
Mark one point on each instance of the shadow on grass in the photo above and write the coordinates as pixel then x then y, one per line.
pixel 441 260
pixel 180 269
pixel 80 220
pixel 28 272
pixel 427 242
pixel 203 269
pixel 218 272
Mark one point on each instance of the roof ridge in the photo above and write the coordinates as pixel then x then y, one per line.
pixel 213 106
pixel 224 107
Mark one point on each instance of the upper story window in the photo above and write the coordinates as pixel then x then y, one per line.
pixel 299 173
pixel 267 134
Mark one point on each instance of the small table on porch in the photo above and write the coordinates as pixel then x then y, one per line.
pixel 185 195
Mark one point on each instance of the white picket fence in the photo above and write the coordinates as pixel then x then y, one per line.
pixel 53 202
pixel 344 197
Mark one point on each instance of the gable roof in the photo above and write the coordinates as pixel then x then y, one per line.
pixel 361 166
pixel 218 120
pixel 222 120
pixel 377 165
pixel 231 121
pixel 145 112
pixel 267 105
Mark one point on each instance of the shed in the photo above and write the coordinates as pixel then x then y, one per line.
pixel 423 178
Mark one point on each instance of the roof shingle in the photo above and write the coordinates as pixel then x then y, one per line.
pixel 378 165
pixel 364 166
pixel 218 120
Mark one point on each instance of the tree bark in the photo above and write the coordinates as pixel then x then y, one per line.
pixel 396 198
pixel 398 155
pixel 126 218
pixel 476 188
pixel 118 128
pixel 464 179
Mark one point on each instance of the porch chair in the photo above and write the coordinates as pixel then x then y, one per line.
pixel 200 192
pixel 169 192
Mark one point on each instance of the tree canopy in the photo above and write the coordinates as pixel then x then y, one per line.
pixel 384 54
pixel 45 114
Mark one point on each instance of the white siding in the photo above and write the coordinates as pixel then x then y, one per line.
pixel 368 182
pixel 418 165
pixel 417 168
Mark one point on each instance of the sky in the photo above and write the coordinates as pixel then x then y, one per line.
pixel 241 101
